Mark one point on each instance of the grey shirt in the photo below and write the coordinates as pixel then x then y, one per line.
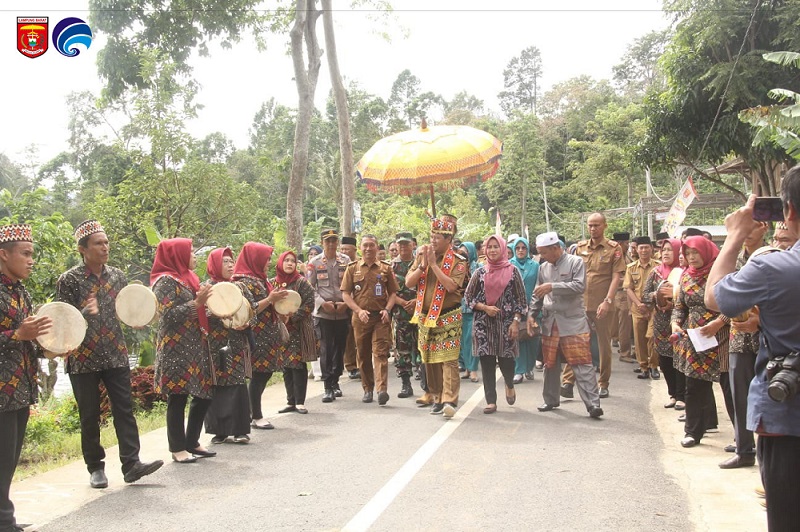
pixel 771 282
pixel 564 305
pixel 325 277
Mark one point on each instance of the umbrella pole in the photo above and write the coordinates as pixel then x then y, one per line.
pixel 433 203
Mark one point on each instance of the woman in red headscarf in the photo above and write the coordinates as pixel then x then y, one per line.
pixel 302 346
pixel 229 414
pixel 183 365
pixel 658 295
pixel 496 295
pixel 690 312
pixel 251 270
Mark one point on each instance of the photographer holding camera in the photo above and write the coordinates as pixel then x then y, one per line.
pixel 771 283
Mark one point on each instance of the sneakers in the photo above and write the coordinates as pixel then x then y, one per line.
pixel 437 409
pixel 603 393
pixel 448 410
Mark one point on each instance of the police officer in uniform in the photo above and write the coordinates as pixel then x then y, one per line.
pixel 369 288
pixel 605 267
pixel 331 315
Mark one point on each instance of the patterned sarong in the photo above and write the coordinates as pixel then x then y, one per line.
pixel 443 342
pixel 575 349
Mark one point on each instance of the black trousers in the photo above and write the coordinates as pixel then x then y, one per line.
pixel 12 432
pixel 187 439
pixel 779 459
pixel 742 371
pixel 296 382
pixel 488 372
pixel 727 395
pixel 676 381
pixel 256 387
pixel 332 336
pixel 701 408
pixel 86 388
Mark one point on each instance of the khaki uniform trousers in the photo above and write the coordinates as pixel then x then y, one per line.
pixel 621 323
pixel 645 353
pixel 602 329
pixel 372 341
pixel 444 381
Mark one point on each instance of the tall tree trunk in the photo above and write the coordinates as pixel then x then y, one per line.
pixel 303 30
pixel 343 119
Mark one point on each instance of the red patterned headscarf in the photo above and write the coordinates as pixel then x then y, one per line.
pixel 707 250
pixel 282 278
pixel 172 259
pixel 214 263
pixel 665 269
pixel 498 272
pixel 253 260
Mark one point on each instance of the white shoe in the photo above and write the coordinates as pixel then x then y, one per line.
pixel 448 411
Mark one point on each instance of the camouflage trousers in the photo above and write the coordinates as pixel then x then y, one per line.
pixel 405 335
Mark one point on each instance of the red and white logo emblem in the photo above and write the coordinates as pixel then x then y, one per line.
pixel 32 36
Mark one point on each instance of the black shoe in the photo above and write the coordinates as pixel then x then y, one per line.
pixel 142 469
pixel 595 412
pixel 383 398
pixel 739 460
pixel 98 479
pixel 730 448
pixel 219 438
pixel 682 418
pixel 405 389
pixel 637 370
pixel 355 375
pixel 288 408
pixel 367 397
pixel 199 453
pixel 603 393
pixel 546 408
pixel 655 374
pixel 645 374
pixel 688 441
pixel 337 392
pixel 566 391
pixel 328 396
pixel 437 409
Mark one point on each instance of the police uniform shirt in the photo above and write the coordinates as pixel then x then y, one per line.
pixel 458 274
pixel 602 262
pixel 370 284
pixel 325 276
pixel 635 278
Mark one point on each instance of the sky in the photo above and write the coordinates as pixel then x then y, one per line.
pixel 450 45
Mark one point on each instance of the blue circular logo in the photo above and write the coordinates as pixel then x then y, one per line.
pixel 70 35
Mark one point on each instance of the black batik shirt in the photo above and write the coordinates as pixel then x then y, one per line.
pixel 18 359
pixel 104 346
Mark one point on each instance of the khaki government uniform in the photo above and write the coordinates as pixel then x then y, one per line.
pixel 603 262
pixel 621 323
pixel 373 338
pixel 635 278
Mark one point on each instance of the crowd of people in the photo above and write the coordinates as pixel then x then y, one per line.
pixel 441 310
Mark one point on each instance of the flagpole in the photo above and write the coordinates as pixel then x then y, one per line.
pixel 546 210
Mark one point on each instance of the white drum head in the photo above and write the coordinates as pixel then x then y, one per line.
pixel 288 304
pixel 674 279
pixel 224 300
pixel 68 330
pixel 136 305
pixel 241 317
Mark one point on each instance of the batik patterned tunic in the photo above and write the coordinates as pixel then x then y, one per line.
pixel 18 359
pixel 265 355
pixel 490 335
pixel 690 312
pixel 233 367
pixel 183 362
pixel 303 345
pixel 104 345
pixel 662 328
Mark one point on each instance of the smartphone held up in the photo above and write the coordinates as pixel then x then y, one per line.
pixel 768 209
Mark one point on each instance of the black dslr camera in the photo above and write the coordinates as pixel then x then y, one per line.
pixel 783 373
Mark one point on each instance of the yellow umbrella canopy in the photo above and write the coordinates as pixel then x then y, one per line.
pixel 414 161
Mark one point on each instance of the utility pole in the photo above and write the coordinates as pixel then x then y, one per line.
pixel 546 209
pixel 524 204
pixel 649 210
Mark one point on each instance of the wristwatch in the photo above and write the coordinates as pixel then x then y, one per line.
pixel 607 300
pixel 517 318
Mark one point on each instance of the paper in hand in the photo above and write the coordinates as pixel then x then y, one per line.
pixel 700 341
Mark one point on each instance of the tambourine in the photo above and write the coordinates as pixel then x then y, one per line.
pixel 288 304
pixel 241 317
pixel 136 305
pixel 224 300
pixel 68 329
pixel 674 278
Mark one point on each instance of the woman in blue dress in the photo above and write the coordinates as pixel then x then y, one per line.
pixel 530 349
pixel 465 359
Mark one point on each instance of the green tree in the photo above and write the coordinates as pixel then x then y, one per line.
pixel 521 81
pixel 639 71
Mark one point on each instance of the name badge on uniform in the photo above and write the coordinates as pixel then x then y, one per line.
pixel 378 290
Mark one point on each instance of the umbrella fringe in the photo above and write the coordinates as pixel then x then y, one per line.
pixel 410 187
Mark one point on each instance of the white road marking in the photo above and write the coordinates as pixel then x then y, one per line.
pixel 381 500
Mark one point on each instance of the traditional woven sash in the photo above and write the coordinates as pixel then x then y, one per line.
pixel 438 295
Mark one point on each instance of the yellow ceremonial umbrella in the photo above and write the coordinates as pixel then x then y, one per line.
pixel 415 161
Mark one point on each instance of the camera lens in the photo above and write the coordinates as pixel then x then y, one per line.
pixel 783 386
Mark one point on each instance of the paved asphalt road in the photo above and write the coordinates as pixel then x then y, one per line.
pixel 356 466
